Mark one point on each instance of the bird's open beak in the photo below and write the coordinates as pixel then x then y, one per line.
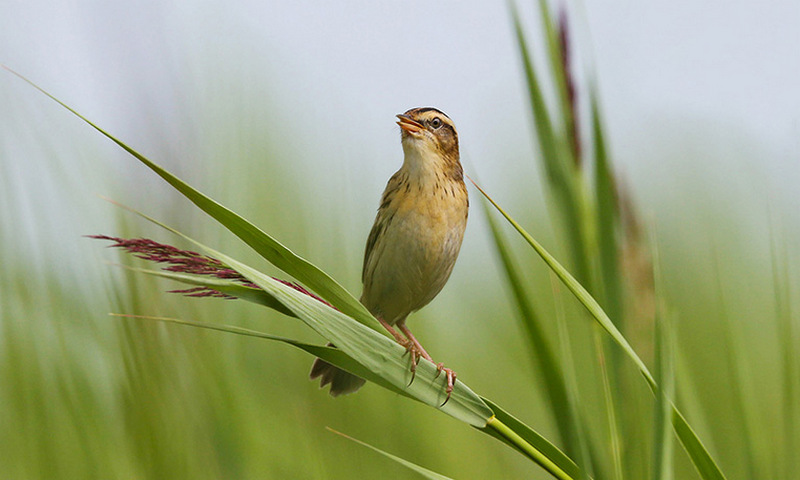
pixel 409 125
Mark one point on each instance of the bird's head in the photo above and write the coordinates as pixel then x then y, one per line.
pixel 427 131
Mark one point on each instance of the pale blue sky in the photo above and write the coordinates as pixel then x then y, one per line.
pixel 706 87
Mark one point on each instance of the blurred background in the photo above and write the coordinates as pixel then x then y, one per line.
pixel 284 112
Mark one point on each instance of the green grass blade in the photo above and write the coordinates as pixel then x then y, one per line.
pixel 662 439
pixel 559 170
pixel 544 127
pixel 266 246
pixel 585 454
pixel 228 287
pixel 734 355
pixel 331 355
pixel 701 459
pixel 665 374
pixel 540 349
pixel 606 223
pixel 386 359
pixel 534 439
pixel 560 75
pixel 607 219
pixel 371 349
pixel 612 408
pixel 577 289
pixel 411 466
pixel 375 351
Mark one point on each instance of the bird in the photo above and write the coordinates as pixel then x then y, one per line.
pixel 415 240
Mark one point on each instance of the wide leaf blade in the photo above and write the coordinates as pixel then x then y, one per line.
pixel 266 246
pixel 379 354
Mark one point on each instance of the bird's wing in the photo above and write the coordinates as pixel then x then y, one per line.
pixel 377 228
pixel 382 221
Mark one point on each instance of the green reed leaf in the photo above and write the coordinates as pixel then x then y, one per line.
pixel 513 432
pixel 429 474
pixel 332 355
pixel 698 453
pixel 266 246
pixel 540 347
pixel 379 354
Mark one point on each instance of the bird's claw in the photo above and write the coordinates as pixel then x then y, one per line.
pixel 415 354
pixel 451 381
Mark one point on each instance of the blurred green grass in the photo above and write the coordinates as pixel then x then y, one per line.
pixel 84 395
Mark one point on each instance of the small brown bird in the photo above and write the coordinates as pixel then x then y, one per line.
pixel 416 237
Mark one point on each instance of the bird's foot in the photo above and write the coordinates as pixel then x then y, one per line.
pixel 415 351
pixel 451 380
pixel 414 354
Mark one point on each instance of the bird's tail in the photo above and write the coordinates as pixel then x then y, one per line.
pixel 341 382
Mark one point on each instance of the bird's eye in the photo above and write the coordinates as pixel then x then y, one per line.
pixel 436 122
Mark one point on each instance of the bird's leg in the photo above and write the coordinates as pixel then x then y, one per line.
pixel 410 345
pixel 451 375
pixel 399 338
pixel 403 328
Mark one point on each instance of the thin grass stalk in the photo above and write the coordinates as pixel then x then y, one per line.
pixel 560 174
pixel 429 474
pixel 611 409
pixel 699 454
pixel 736 370
pixel 662 438
pixel 665 374
pixel 529 450
pixel 607 221
pixel 540 349
pixel 586 453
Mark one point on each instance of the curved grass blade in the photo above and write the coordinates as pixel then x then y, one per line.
pixel 541 350
pixel 548 451
pixel 228 287
pixel 384 358
pixel 335 356
pixel 266 246
pixel 607 218
pixel 429 474
pixel 559 169
pixel 701 459
pixel 665 373
pixel 577 289
pixel 558 52
pixel 331 355
pixel 379 354
pixel 662 444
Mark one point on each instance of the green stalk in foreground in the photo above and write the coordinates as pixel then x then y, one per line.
pixel 701 458
pixel 526 448
pixel 367 360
